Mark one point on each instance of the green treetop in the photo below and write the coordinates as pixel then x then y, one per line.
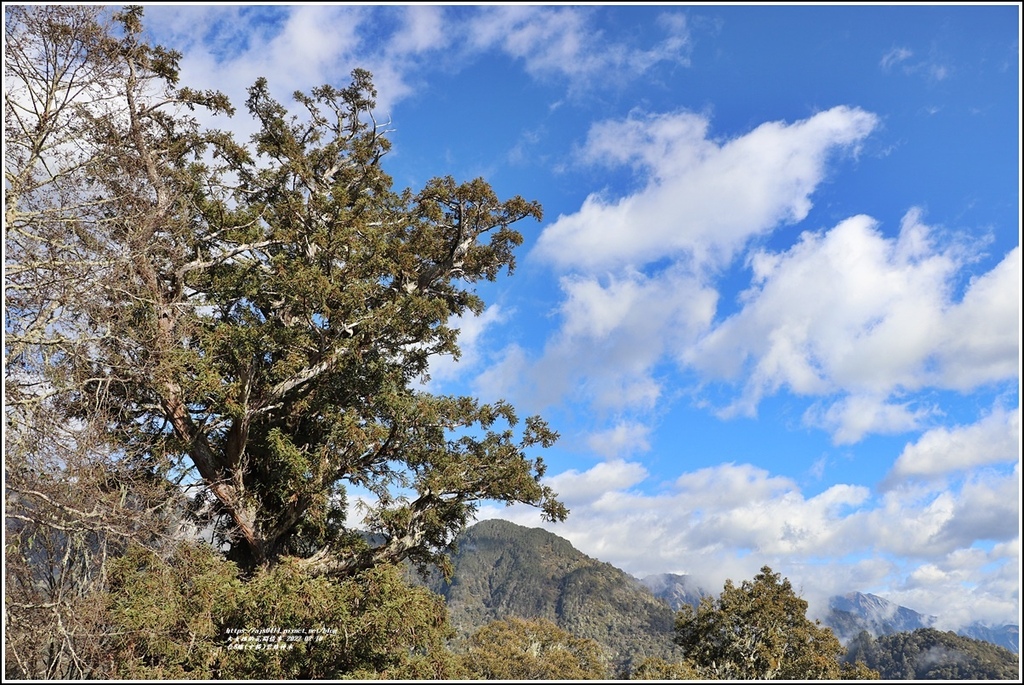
pixel 759 630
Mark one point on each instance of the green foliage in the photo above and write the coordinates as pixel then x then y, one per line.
pixel 929 654
pixel 190 617
pixel 858 671
pixel 536 649
pixel 758 630
pixel 169 615
pixel 656 668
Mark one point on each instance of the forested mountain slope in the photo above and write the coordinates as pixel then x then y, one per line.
pixel 504 570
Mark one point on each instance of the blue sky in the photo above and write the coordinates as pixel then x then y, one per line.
pixel 773 308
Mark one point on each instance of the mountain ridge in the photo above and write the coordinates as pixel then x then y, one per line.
pixel 503 569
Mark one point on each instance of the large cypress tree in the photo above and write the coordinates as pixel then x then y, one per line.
pixel 253 317
pixel 235 329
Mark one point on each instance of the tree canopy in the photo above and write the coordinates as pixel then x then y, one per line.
pixel 190 616
pixel 929 654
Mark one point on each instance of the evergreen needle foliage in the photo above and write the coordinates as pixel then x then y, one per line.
pixel 760 630
pixel 230 332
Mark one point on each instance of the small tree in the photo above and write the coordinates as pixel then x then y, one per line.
pixel 759 630
pixel 537 649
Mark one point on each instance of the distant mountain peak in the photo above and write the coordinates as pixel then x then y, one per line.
pixel 880 610
pixel 675 589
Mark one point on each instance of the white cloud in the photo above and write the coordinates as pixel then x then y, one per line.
pixel 624 439
pixel 931 521
pixel 851 312
pixel 965 586
pixel 987 508
pixel 311 46
pixel 702 200
pixel 613 333
pixel 295 48
pixel 994 439
pixel 895 56
pixel 847 315
pixel 851 418
pixel 604 479
pixel 300 47
pixel 900 56
pixel 422 30
pixel 844 308
pixel 980 338
pixel 312 40
pixel 563 41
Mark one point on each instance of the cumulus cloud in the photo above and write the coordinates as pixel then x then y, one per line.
pixel 702 200
pixel 850 312
pixel 851 418
pixel 987 508
pixel 980 341
pixel 964 586
pixel 614 331
pixel 846 307
pixel 994 439
pixel 604 479
pixel 849 315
